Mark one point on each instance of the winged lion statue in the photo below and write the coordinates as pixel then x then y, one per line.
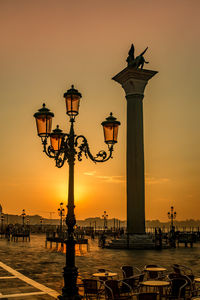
pixel 138 61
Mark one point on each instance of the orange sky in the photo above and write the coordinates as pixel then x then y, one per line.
pixel 47 45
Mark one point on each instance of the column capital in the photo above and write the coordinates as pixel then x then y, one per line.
pixel 134 80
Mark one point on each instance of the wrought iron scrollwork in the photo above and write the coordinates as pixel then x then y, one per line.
pixel 48 150
pixel 73 146
pixel 101 156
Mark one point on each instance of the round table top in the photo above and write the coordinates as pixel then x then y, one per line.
pixel 197 279
pixel 106 274
pixel 155 269
pixel 155 283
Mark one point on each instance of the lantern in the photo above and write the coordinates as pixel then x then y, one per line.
pixel 110 128
pixel 72 98
pixel 44 121
pixel 56 138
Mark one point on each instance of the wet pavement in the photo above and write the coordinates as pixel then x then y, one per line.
pixel 44 265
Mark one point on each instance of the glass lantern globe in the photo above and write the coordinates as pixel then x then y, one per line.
pixel 56 138
pixel 72 99
pixel 43 119
pixel 110 128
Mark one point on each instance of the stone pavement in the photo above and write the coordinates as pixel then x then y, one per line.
pixel 15 285
pixel 45 266
pixel 29 271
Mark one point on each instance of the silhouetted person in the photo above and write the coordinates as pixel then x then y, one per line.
pixel 102 240
pixel 8 232
pixel 160 237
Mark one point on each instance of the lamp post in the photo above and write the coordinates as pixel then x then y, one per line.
pixel 69 147
pixel 105 216
pixel 172 216
pixel 23 215
pixel 2 219
pixel 61 213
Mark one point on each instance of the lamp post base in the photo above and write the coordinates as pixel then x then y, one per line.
pixel 70 289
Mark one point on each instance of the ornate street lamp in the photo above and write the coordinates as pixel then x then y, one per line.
pixel 172 216
pixel 105 216
pixel 69 147
pixel 23 215
pixel 61 213
pixel 2 220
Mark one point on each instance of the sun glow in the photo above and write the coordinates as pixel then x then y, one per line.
pixel 79 193
pixel 62 193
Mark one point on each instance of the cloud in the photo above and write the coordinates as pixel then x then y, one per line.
pixel 154 180
pixel 113 179
pixel 121 179
pixel 92 173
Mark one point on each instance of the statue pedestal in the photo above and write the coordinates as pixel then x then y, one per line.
pixel 132 241
pixel 134 81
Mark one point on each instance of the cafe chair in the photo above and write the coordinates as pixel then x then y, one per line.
pixel 177 289
pixel 132 282
pixel 180 269
pixel 190 287
pixel 103 270
pixel 176 268
pixel 92 288
pixel 117 290
pixel 128 271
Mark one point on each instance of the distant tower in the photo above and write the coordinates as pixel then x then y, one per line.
pixel 1 209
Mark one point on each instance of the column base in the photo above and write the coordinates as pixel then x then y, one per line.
pixel 134 241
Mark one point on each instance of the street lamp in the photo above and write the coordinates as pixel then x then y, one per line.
pixel 2 219
pixel 23 215
pixel 105 216
pixel 172 216
pixel 61 213
pixel 69 147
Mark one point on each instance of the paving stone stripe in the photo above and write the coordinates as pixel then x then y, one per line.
pixel 41 287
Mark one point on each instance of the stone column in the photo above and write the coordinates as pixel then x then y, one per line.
pixel 133 82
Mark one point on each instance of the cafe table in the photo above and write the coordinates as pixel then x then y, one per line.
pixel 158 285
pixel 105 274
pixel 155 269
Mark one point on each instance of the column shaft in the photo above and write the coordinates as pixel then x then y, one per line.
pixel 135 165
